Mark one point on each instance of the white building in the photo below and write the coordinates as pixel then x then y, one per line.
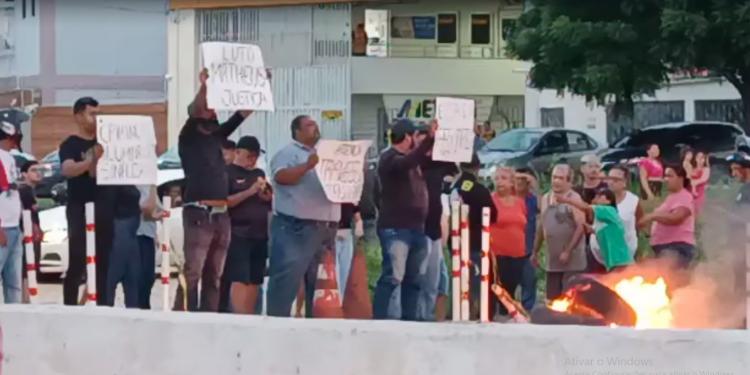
pixel 693 99
pixel 436 48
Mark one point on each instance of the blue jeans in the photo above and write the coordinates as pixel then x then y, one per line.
pixel 147 247
pixel 294 256
pixel 11 258
pixel 344 256
pixel 528 285
pixel 430 274
pixel 404 253
pixel 125 262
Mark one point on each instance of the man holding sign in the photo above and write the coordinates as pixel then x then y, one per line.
pixel 304 222
pixel 205 218
pixel 401 225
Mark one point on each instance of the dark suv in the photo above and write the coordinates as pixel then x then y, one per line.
pixel 718 139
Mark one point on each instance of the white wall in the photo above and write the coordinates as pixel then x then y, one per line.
pixel 592 119
pixel 111 37
pixel 182 69
pixel 25 37
pixel 57 340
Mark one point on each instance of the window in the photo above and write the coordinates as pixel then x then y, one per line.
pixel 481 29
pixel 413 27
pixel 710 137
pixel 507 27
pixel 447 26
pixel 553 143
pixel 578 142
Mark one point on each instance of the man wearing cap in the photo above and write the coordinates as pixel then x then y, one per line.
pixel 304 223
pixel 11 236
pixel 249 207
pixel 403 211
pixel 204 217
pixel 227 151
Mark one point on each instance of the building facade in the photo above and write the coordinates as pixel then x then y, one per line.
pixel 55 51
pixel 684 99
pixel 434 48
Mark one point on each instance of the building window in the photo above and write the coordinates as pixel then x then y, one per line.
pixel 507 27
pixel 447 28
pixel 481 29
pixel 413 27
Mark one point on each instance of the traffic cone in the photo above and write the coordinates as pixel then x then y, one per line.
pixel 357 304
pixel 327 301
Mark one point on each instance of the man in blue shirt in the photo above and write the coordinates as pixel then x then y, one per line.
pixel 304 223
pixel 526 188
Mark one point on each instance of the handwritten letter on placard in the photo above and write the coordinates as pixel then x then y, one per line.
pixel 341 169
pixel 237 77
pixel 129 146
pixel 454 141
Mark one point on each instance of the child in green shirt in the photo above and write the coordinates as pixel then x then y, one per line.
pixel 608 227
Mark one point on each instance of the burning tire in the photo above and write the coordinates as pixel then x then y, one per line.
pixel 588 297
pixel 543 315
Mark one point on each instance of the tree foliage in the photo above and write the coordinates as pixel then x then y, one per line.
pixel 623 49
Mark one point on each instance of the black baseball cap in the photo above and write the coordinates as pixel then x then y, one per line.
pixel 474 163
pixel 740 158
pixel 250 143
pixel 228 144
pixel 403 126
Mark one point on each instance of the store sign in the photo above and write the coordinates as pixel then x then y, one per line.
pixel 417 109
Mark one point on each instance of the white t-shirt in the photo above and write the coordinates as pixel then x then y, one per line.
pixel 10 202
pixel 626 210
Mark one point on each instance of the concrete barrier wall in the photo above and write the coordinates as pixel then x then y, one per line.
pixel 52 340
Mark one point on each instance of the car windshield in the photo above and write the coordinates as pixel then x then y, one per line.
pixel 515 140
pixel 170 156
pixel 51 158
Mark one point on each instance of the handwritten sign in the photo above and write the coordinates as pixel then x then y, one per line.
pixel 129 146
pixel 454 141
pixel 341 169
pixel 237 77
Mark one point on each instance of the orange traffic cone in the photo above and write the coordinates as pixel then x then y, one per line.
pixel 357 304
pixel 327 301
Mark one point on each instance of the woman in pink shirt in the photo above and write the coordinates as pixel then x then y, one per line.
pixel 651 173
pixel 673 223
pixel 699 176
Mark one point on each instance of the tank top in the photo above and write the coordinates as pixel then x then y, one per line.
pixel 653 168
pixel 559 225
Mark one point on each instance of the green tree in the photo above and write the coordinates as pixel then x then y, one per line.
pixel 619 50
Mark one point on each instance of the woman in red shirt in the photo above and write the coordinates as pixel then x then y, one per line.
pixel 508 233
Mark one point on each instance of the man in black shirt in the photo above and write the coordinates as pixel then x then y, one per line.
pixel 204 217
pixel 403 211
pixel 125 260
pixel 31 175
pixel 79 154
pixel 249 207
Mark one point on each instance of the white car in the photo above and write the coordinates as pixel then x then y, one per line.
pixel 54 249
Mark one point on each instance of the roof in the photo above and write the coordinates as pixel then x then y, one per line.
pixel 673 125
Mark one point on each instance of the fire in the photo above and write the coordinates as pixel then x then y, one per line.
pixel 649 301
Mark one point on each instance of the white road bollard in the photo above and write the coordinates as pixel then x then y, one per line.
pixel 456 258
pixel 90 255
pixel 484 298
pixel 28 244
pixel 465 262
pixel 165 261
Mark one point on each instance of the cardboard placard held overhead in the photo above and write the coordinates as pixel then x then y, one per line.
pixel 454 141
pixel 129 146
pixel 237 77
pixel 341 169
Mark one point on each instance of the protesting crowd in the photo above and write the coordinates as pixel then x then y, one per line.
pixel 241 225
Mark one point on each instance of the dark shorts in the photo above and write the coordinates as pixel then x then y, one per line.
pixel 246 260
pixel 684 252
pixel 656 188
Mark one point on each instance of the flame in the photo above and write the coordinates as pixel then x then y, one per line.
pixel 649 301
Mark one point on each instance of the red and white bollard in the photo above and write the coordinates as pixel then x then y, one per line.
pixel 456 258
pixel 28 245
pixel 484 298
pixel 90 255
pixel 465 263
pixel 165 262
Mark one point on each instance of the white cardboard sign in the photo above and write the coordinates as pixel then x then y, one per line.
pixel 454 141
pixel 341 169
pixel 129 146
pixel 237 77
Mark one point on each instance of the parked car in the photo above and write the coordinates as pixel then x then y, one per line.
pixel 536 148
pixel 718 139
pixel 54 249
pixel 169 159
pixel 52 177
